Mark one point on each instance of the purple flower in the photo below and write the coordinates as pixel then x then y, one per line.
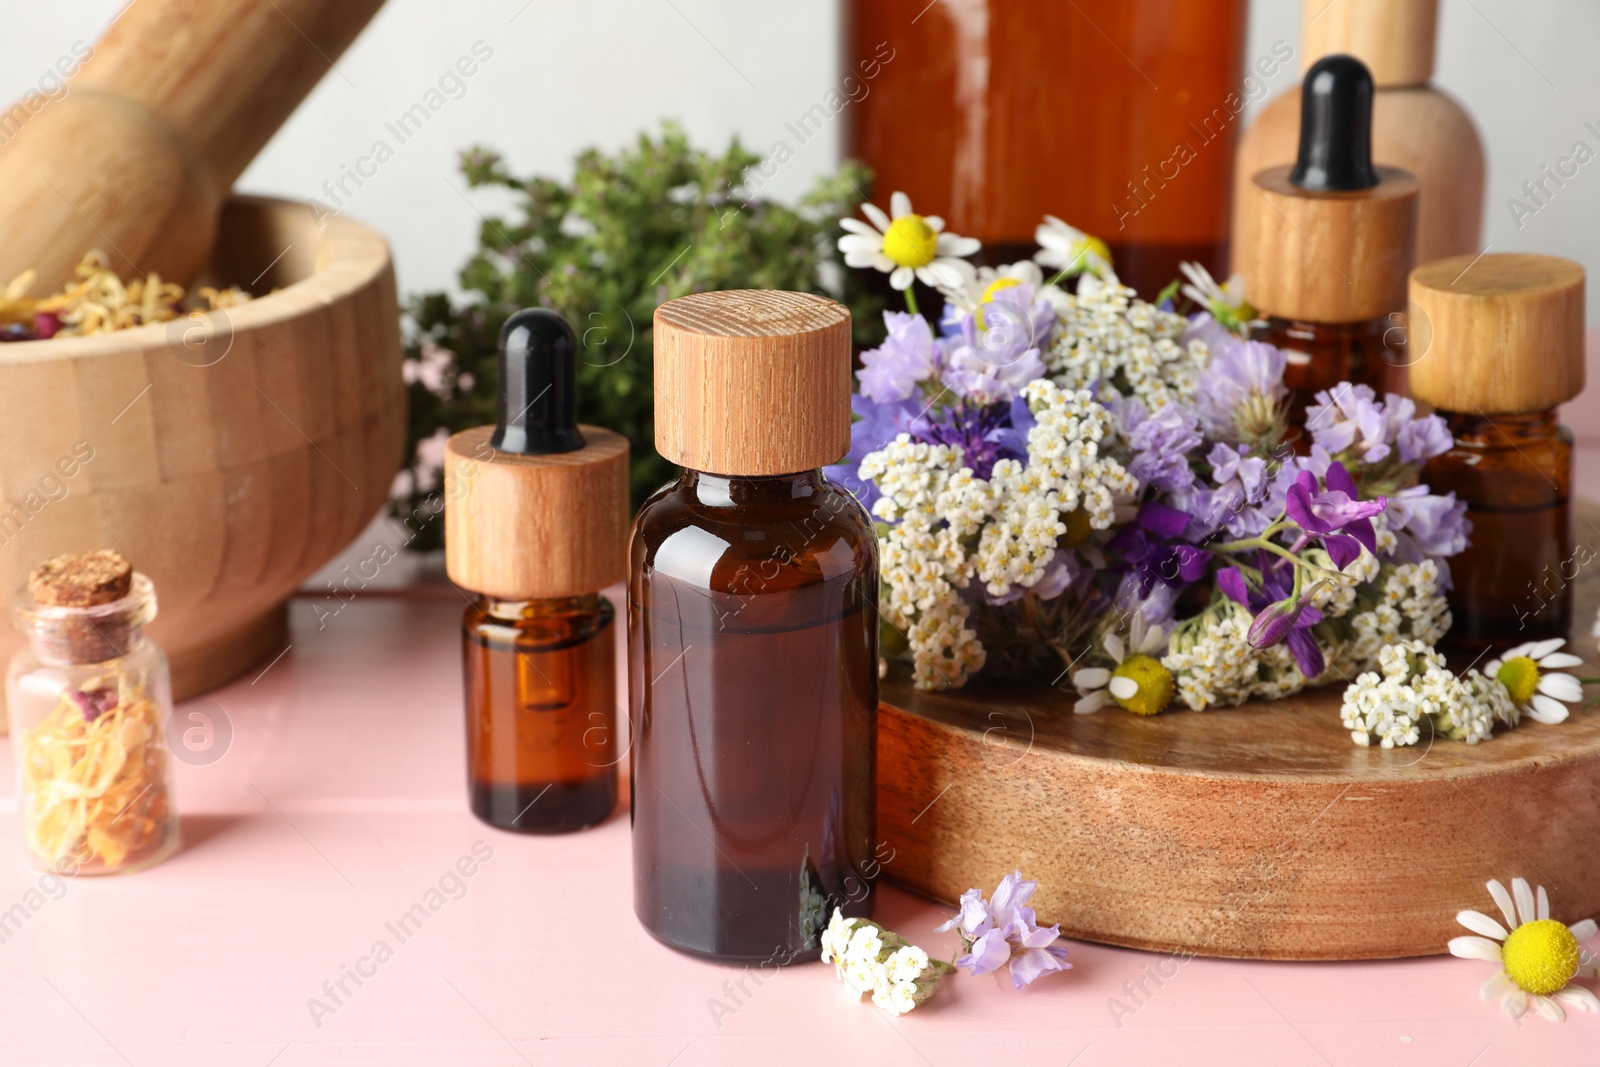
pixel 1278 617
pixel 907 357
pixel 1242 384
pixel 94 703
pixel 979 432
pixel 1151 545
pixel 1422 439
pixel 1336 514
pixel 1161 443
pixel 1349 418
pixel 1004 929
pixel 993 361
pixel 1427 525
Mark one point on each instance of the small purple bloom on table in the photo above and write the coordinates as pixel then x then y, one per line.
pixel 1278 616
pixel 1335 514
pixel 1153 548
pixel 1004 929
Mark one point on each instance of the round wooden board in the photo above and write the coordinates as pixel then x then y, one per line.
pixel 1259 832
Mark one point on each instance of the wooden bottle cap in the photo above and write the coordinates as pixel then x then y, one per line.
pixel 1394 38
pixel 521 527
pixel 752 382
pixel 1329 256
pixel 536 506
pixel 1497 333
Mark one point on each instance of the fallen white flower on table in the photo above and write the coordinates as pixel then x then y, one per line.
pixel 1538 956
pixel 870 959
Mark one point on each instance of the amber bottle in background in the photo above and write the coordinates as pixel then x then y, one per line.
pixel 535 526
pixel 1414 126
pixel 1333 238
pixel 1500 345
pixel 752 636
pixel 1119 118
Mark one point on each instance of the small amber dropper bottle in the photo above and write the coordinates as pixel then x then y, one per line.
pixel 1331 240
pixel 535 526
pixel 752 637
pixel 1499 340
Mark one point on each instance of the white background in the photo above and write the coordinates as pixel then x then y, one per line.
pixel 566 74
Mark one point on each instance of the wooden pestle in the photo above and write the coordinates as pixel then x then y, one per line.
pixel 139 154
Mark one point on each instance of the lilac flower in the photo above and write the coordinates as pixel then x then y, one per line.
pixel 1151 545
pixel 1241 480
pixel 1425 524
pixel 1336 514
pixel 1349 418
pixel 908 356
pixel 1242 386
pixel 1004 929
pixel 1422 439
pixel 1161 443
pixel 1278 616
pixel 991 362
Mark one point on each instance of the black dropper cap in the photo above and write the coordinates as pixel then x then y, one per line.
pixel 1335 127
pixel 538 362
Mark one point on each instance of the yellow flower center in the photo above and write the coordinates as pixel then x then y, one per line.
pixel 1095 245
pixel 1154 682
pixel 1520 676
pixel 1542 956
pixel 910 241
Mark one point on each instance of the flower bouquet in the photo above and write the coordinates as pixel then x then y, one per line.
pixel 1083 485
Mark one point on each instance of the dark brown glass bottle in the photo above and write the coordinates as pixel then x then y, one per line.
pixel 1502 346
pixel 541 712
pixel 535 526
pixel 752 638
pixel 1513 582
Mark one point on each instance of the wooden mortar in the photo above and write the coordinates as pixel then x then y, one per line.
pixel 228 455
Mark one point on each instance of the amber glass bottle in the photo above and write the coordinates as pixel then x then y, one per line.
pixel 993 114
pixel 752 623
pixel 541 700
pixel 1502 346
pixel 535 522
pixel 1332 240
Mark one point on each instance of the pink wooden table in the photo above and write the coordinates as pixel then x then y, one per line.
pixel 339 804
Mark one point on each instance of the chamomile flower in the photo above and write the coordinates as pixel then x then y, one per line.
pixel 907 246
pixel 1139 683
pixel 1071 251
pixel 1528 673
pixel 1538 955
pixel 1226 302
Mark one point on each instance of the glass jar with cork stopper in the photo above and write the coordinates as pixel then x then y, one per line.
pixel 89 699
pixel 1499 343
pixel 536 524
pixel 1331 239
pixel 752 636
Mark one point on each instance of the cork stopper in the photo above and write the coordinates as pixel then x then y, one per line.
pixel 1498 333
pixel 84 607
pixel 1331 237
pixel 1394 38
pixel 752 382
pixel 536 506
pixel 81 579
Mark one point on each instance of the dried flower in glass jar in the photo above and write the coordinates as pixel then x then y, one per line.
pixel 88 699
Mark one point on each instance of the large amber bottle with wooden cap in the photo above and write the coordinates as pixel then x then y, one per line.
pixel 1332 241
pixel 752 636
pixel 1415 126
pixel 536 513
pixel 1499 344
